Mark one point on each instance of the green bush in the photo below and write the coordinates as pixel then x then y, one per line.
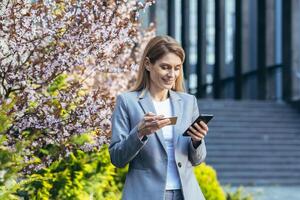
pixel 239 194
pixel 81 176
pixel 11 160
pixel 9 170
pixel 210 186
pixel 85 176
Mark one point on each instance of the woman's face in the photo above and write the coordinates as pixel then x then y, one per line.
pixel 165 71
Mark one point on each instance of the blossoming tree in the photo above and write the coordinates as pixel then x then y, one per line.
pixel 50 51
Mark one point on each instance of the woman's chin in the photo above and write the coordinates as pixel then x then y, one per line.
pixel 168 87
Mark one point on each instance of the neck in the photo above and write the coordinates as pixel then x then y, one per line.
pixel 158 94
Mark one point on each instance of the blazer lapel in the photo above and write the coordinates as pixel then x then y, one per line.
pixel 177 110
pixel 147 106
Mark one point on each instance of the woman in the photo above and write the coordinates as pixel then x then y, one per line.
pixel 160 158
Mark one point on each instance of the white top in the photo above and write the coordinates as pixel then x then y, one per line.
pixel 173 180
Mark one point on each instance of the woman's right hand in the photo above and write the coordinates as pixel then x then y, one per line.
pixel 151 123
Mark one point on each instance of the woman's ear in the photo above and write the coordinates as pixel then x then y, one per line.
pixel 147 64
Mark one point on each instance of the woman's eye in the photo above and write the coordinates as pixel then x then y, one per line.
pixel 164 67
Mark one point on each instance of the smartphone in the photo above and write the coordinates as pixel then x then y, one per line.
pixel 202 117
pixel 172 119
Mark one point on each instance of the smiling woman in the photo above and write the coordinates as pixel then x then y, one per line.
pixel 160 53
pixel 160 158
pixel 164 72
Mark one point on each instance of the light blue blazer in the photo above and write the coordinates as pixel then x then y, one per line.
pixel 147 174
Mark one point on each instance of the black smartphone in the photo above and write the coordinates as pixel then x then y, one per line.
pixel 202 117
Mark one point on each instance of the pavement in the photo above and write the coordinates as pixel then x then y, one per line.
pixel 270 192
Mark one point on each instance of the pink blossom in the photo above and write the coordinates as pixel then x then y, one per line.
pixel 96 45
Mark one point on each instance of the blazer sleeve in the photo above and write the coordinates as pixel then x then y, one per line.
pixel 196 155
pixel 125 143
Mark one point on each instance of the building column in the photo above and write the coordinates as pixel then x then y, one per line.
pixel 185 38
pixel 286 49
pixel 152 15
pixel 238 50
pixel 201 47
pixel 261 50
pixel 270 49
pixel 219 47
pixel 171 18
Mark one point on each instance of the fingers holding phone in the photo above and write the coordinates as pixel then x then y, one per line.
pixel 198 131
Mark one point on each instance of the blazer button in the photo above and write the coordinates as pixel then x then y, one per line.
pixel 179 164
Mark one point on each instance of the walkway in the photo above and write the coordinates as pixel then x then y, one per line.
pixel 271 192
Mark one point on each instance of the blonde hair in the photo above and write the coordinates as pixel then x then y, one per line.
pixel 156 48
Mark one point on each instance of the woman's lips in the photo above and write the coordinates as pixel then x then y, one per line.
pixel 169 82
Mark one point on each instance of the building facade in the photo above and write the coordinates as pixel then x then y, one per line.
pixel 239 49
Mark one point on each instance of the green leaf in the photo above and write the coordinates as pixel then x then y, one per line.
pixel 58 83
pixel 81 139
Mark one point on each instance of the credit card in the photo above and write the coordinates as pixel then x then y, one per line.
pixel 172 119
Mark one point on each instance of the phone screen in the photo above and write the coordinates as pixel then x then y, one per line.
pixel 203 117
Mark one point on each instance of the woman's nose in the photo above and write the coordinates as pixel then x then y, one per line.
pixel 171 73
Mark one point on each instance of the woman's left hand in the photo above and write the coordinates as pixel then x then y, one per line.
pixel 198 131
